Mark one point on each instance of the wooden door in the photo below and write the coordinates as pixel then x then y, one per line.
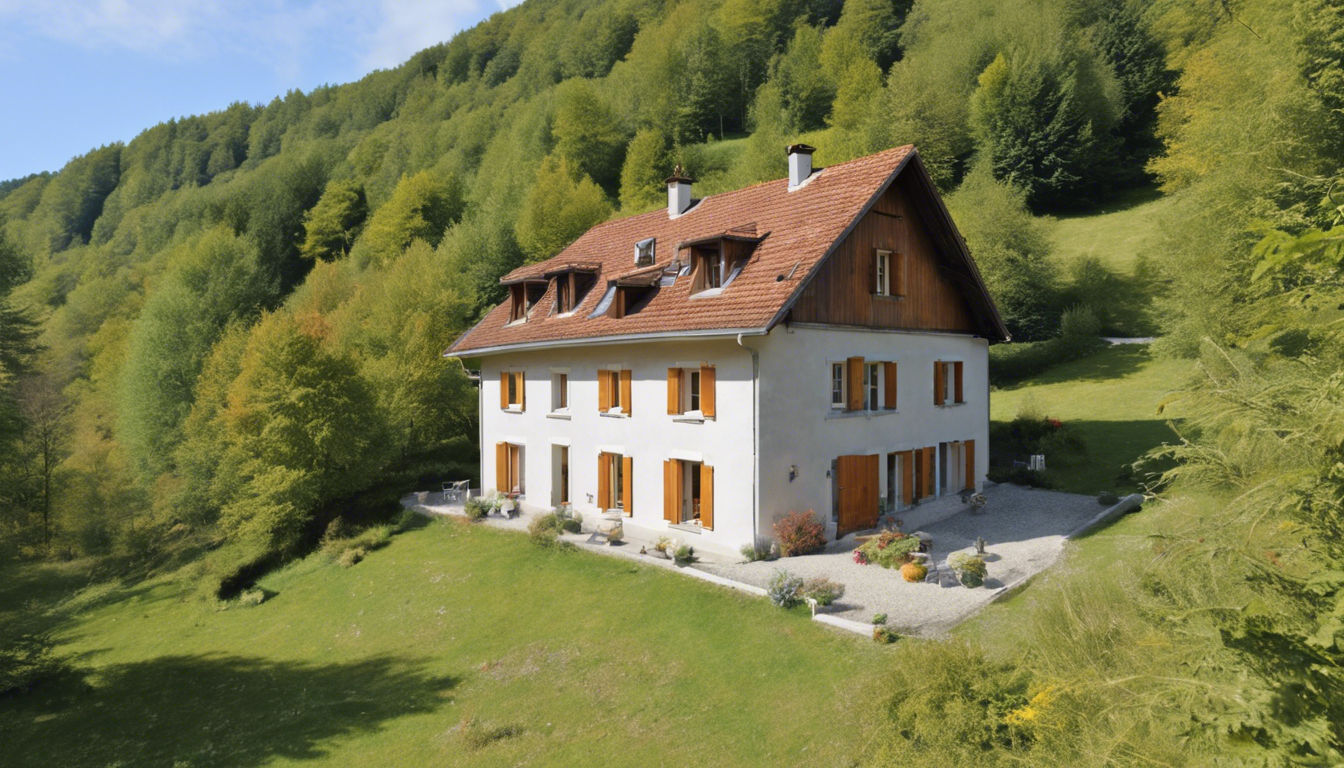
pixel 857 479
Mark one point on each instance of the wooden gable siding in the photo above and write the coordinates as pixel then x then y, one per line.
pixel 841 291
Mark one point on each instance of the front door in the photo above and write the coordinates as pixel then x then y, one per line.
pixel 856 478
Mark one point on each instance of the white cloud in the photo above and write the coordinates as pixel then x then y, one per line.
pixel 407 26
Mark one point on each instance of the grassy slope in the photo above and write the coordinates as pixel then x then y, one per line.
pixel 1111 399
pixel 592 660
pixel 1116 234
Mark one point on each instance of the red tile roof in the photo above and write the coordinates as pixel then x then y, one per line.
pixel 798 230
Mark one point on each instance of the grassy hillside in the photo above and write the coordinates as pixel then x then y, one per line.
pixel 455 645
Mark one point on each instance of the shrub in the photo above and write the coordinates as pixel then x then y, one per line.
pixel 889 550
pixel 761 549
pixel 1018 476
pixel 351 556
pixel 884 636
pixel 800 533
pixel 970 570
pixel 914 572
pixel 784 589
pixel 545 529
pixel 476 508
pixel 823 590
pixel 879 618
pixel 684 554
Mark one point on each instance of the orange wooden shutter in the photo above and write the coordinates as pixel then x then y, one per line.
pixel 604 481
pixel 927 484
pixel 671 490
pixel 707 390
pixel 604 391
pixel 956 377
pixel 503 389
pixel 628 484
pixel 673 390
pixel 522 393
pixel 706 497
pixel 889 376
pixel 502 467
pixel 938 382
pixel 969 450
pixel 854 385
pixel 908 479
pixel 625 390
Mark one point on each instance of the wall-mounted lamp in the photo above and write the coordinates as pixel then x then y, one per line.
pixel 793 472
pixel 590 498
pixel 828 473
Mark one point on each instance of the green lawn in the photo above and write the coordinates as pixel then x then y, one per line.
pixel 560 658
pixel 1111 400
pixel 1116 234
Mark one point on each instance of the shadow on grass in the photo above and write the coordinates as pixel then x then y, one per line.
pixel 212 710
pixel 1111 448
pixel 1107 364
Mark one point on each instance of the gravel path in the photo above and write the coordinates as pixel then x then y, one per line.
pixel 1024 530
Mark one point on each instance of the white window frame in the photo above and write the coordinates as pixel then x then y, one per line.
pixel 883 273
pixel 560 392
pixel 843 401
pixel 691 392
pixel 872 386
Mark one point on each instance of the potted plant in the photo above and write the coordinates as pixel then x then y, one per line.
pixel 665 546
pixel 970 570
pixel 684 554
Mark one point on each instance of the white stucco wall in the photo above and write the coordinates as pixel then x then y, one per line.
pixel 799 428
pixel 649 435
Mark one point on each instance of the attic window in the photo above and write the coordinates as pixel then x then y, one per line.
pixel 570 290
pixel 644 252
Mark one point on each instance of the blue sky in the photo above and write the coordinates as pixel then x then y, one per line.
pixel 77 74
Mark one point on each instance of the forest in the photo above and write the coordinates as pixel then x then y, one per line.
pixel 226 333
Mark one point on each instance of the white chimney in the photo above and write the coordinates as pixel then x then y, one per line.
pixel 800 164
pixel 678 193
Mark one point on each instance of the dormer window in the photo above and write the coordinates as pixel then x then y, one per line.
pixel 644 252
pixel 570 290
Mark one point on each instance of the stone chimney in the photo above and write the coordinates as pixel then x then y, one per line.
pixel 678 193
pixel 800 164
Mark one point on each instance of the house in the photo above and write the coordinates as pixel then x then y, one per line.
pixel 813 343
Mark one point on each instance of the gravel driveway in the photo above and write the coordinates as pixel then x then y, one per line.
pixel 1024 530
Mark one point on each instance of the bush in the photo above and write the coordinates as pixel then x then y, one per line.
pixel 476 508
pixel 784 589
pixel 889 550
pixel 351 556
pixel 800 533
pixel 879 618
pixel 545 529
pixel 1018 476
pixel 823 590
pixel 234 568
pixel 684 554
pixel 884 636
pixel 969 569
pixel 252 597
pixel 1078 338
pixel 914 572
pixel 762 549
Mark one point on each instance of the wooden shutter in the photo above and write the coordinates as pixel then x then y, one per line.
pixel 969 450
pixel 625 391
pixel 604 481
pixel 854 384
pixel 897 277
pixel 604 391
pixel 522 393
pixel 672 491
pixel 926 485
pixel 938 382
pixel 956 382
pixel 502 467
pixel 908 477
pixel 628 484
pixel 673 390
pixel 706 497
pixel 707 390
pixel 503 389
pixel 889 380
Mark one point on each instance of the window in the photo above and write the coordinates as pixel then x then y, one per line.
pixel 562 295
pixel 713 271
pixel 688 493
pixel 511 391
pixel 613 391
pixel 691 391
pixel 560 392
pixel 948 388
pixel 644 252
pixel 883 277
pixel 570 290
pixel 837 385
pixel 509 468
pixel 872 376
pixel 615 482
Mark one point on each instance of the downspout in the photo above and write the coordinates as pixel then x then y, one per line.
pixel 755 440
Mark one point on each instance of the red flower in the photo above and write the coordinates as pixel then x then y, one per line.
pixel 860 558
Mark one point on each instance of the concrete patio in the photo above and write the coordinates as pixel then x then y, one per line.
pixel 1025 531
